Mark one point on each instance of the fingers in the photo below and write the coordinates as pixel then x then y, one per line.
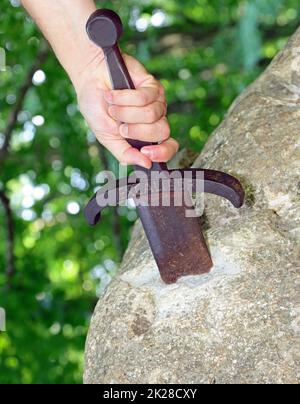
pixel 147 115
pixel 128 155
pixel 123 152
pixel 142 113
pixel 162 152
pixel 156 132
pixel 133 98
pixel 94 108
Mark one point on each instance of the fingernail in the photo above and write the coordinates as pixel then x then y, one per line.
pixel 124 130
pixel 148 152
pixel 108 96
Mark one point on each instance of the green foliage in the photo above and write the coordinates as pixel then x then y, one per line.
pixel 205 53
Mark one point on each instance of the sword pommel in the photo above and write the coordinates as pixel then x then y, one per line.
pixel 104 28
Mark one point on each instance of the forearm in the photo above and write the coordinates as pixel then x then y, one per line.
pixel 63 24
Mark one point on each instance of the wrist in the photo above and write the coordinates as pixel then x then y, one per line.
pixel 82 67
pixel 63 22
pixel 80 54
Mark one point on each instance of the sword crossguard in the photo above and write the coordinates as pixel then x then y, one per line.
pixel 211 181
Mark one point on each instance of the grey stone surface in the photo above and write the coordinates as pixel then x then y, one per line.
pixel 240 323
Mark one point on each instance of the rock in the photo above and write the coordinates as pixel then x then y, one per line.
pixel 241 322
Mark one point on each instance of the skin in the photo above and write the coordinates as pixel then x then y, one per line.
pixel 114 116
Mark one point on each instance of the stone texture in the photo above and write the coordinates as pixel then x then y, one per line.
pixel 240 323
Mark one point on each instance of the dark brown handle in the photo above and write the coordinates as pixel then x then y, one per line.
pixel 104 28
pixel 119 75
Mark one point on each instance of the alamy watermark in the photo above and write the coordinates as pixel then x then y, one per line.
pixel 156 188
pixel 2 60
pixel 2 320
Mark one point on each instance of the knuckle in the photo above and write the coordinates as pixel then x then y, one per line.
pixel 165 129
pixel 151 114
pixel 162 90
pixel 175 145
pixel 156 92
pixel 164 151
pixel 166 108
pixel 124 160
pixel 151 78
pixel 125 157
pixel 143 98
pixel 133 131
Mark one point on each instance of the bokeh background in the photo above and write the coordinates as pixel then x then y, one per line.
pixel 52 265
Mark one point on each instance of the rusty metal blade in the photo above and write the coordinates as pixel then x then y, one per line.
pixel 176 241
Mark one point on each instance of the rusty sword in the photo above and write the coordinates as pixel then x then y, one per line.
pixel 177 241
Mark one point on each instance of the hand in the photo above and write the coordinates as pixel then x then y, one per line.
pixel 116 115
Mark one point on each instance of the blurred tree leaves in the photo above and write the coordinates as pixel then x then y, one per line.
pixel 205 52
pixel 250 39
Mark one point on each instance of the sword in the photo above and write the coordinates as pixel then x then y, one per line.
pixel 176 241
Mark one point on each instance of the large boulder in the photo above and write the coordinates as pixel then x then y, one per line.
pixel 240 323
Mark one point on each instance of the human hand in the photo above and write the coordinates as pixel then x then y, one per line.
pixel 117 115
pixel 142 111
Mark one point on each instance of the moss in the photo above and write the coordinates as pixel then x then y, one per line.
pixel 250 196
pixel 204 222
pixel 249 192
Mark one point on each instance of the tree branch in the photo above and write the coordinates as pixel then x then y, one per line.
pixel 10 265
pixel 13 116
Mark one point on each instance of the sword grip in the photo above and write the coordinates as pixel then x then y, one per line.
pixel 104 28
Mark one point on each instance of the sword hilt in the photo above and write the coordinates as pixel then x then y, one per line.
pixel 105 28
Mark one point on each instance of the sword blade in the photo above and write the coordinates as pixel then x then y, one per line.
pixel 176 241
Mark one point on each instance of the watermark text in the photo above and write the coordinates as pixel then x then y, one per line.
pixel 157 188
pixel 2 60
pixel 2 320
